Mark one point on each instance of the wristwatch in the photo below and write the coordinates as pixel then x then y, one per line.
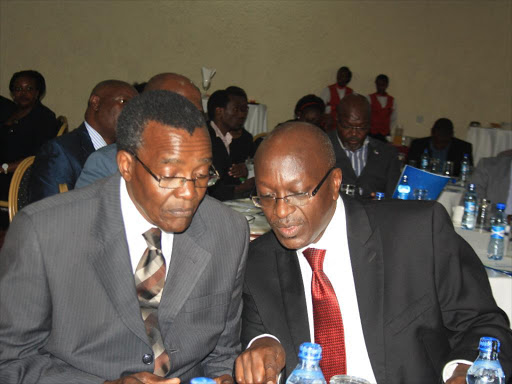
pixel 5 167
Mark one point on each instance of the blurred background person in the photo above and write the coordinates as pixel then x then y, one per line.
pixel 334 93
pixel 441 145
pixel 26 128
pixel 383 108
pixel 310 109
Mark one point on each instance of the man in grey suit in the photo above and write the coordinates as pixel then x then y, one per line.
pixel 102 163
pixel 72 310
pixel 493 180
pixel 367 163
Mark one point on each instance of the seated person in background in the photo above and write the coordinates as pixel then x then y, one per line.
pixel 242 144
pixel 130 280
pixel 227 112
pixel 28 126
pixel 442 145
pixel 493 180
pixel 333 94
pixel 310 109
pixel 383 110
pixel 61 160
pixel 7 108
pixel 103 163
pixel 365 162
pixel 388 289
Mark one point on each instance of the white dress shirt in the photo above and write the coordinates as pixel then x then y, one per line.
pixel 97 140
pixel 135 225
pixel 325 95
pixel 338 268
pixel 358 157
pixel 226 139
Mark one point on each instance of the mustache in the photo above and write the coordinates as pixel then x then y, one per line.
pixel 284 223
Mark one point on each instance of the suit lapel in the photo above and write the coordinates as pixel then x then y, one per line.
pixel 372 158
pixel 112 259
pixel 188 261
pixel 294 300
pixel 367 267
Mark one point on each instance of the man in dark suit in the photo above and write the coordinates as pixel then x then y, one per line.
pixel 365 162
pixel 128 280
pixel 103 163
pixel 410 296
pixel 61 160
pixel 442 145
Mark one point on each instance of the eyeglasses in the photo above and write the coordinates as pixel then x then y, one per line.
pixel 178 182
pixel 296 199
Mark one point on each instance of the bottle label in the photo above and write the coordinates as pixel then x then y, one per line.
pixel 470 207
pixel 424 163
pixel 497 232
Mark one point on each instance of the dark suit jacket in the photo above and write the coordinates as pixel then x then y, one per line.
pixel 381 172
pixel 424 297
pixel 456 152
pixel 68 307
pixel 60 161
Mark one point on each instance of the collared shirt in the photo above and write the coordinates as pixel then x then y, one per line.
pixel 97 140
pixel 358 157
pixel 135 225
pixel 338 268
pixel 225 139
pixel 325 95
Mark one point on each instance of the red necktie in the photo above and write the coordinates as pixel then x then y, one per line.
pixel 329 331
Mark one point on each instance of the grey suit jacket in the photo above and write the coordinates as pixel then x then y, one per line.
pixel 99 165
pixel 492 178
pixel 68 306
pixel 381 172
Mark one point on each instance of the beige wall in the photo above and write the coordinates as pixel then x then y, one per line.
pixel 444 58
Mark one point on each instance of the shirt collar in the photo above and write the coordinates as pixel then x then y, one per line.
pixel 226 139
pixel 365 144
pixel 97 140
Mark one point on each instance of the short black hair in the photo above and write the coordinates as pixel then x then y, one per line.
pixel 309 101
pixel 382 77
pixel 345 69
pixel 164 107
pixel 236 91
pixel 36 76
pixel 218 99
pixel 443 127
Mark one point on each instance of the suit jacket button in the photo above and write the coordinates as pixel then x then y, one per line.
pixel 147 358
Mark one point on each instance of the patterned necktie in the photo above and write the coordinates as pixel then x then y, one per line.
pixel 149 281
pixel 329 331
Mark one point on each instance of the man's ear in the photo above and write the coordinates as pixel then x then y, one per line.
pixel 125 163
pixel 337 177
pixel 94 102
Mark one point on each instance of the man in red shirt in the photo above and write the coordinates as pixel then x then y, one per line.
pixel 383 108
pixel 333 94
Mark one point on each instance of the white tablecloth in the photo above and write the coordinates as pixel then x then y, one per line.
pixel 256 118
pixel 501 284
pixel 488 142
pixel 451 197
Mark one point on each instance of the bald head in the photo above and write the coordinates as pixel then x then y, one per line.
pixel 297 138
pixel 352 102
pixel 178 84
pixel 353 121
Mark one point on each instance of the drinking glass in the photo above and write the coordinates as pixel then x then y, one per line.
pixel 348 189
pixel 420 194
pixel 448 168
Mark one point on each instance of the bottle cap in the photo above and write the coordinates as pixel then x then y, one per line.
pixel 500 206
pixel 202 380
pixel 405 178
pixel 310 351
pixel 489 344
pixel 471 187
pixel 379 195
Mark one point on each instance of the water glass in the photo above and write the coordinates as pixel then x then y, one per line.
pixel 435 165
pixel 448 168
pixel 420 194
pixel 348 189
pixel 345 379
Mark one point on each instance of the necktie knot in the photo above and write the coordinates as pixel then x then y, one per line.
pixel 315 258
pixel 153 238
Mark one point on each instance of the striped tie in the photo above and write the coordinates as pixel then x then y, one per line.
pixel 149 281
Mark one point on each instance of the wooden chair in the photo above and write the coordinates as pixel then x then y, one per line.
pixel 63 188
pixel 18 190
pixel 63 125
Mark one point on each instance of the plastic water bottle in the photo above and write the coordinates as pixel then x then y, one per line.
pixel 487 368
pixel 464 169
pixel 496 247
pixel 404 189
pixel 470 208
pixel 424 160
pixel 379 196
pixel 202 380
pixel 308 370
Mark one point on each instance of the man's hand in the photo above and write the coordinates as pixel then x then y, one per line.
pixel 144 378
pixel 238 170
pixel 459 375
pixel 224 379
pixel 261 363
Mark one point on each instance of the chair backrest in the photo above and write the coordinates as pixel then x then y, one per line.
pixel 63 125
pixel 18 190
